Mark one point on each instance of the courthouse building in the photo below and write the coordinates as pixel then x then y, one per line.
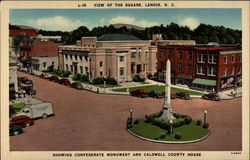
pixel 120 56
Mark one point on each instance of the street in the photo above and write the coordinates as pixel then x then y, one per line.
pixel 86 121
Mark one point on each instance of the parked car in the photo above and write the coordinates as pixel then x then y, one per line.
pixel 22 120
pixel 138 93
pixel 64 81
pixel 29 90
pixel 77 85
pixel 183 95
pixel 172 94
pixel 211 96
pixel 54 78
pixel 155 94
pixel 24 80
pixel 44 75
pixel 15 130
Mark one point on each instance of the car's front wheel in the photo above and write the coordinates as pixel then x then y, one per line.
pixel 15 133
pixel 27 124
pixel 44 115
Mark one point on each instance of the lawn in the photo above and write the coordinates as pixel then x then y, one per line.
pixel 188 132
pixel 160 88
pixel 107 85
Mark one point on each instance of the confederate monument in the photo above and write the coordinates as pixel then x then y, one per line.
pixel 167 107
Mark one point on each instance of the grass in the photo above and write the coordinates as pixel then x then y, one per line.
pixel 188 132
pixel 156 88
pixel 144 83
pixel 107 85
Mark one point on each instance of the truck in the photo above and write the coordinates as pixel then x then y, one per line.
pixel 38 110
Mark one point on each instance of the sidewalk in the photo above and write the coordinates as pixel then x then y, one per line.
pixel 228 94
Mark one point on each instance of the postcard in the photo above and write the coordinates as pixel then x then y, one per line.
pixel 124 80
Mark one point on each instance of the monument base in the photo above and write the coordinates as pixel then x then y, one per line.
pixel 167 112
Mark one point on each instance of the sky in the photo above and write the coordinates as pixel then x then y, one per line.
pixel 70 19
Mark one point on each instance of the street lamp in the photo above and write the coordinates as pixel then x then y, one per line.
pixel 205 116
pixel 131 113
pixel 171 126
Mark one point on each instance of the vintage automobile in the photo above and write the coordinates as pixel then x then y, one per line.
pixel 64 81
pixel 155 94
pixel 24 80
pixel 138 93
pixel 15 130
pixel 54 78
pixel 173 95
pixel 77 85
pixel 183 95
pixel 28 90
pixel 44 75
pixel 22 120
pixel 211 96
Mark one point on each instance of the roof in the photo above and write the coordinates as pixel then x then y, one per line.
pixel 206 82
pixel 29 32
pixel 26 27
pixel 118 37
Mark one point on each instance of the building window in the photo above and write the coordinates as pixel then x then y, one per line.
pixel 211 71
pixel 190 55
pixel 163 66
pixel 101 63
pixel 212 59
pixel 133 55
pixel 189 67
pixel 180 67
pixel 201 58
pixel 232 71
pixel 200 70
pixel 171 54
pixel 233 59
pixel 86 70
pixel 225 72
pixel 180 55
pixel 146 54
pixel 101 73
pixel 81 69
pixel 44 64
pixel 239 58
pixel 121 71
pixel 239 69
pixel 80 58
pixel 121 58
pixel 75 57
pixel 52 62
pixel 86 58
pixel 139 54
pixel 225 59
pixel 66 56
pixel 70 57
pixel 71 68
pixel 163 54
pixel 67 67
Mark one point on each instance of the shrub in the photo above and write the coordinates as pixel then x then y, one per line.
pixel 138 78
pixel 163 135
pixel 129 126
pixel 50 68
pixel 198 122
pixel 205 125
pixel 136 121
pixel 111 80
pixel 149 75
pixel 188 120
pixel 61 73
pixel 149 118
pixel 99 80
pixel 84 78
pixel 165 125
pixel 177 135
pixel 176 115
pixel 157 121
pixel 76 77
pixel 129 121
pixel 12 95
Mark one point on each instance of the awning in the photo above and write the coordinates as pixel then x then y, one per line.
pixel 206 82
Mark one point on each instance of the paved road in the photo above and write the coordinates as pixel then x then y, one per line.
pixel 86 121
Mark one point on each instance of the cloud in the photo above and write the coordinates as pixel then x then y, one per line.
pixel 190 22
pixel 56 23
pixel 131 20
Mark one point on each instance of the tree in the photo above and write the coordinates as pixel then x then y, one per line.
pixel 17 40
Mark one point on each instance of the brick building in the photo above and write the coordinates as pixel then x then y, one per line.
pixel 44 54
pixel 205 67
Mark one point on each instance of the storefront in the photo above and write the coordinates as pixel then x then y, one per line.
pixel 204 84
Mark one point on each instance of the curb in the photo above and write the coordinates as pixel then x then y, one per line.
pixel 169 142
